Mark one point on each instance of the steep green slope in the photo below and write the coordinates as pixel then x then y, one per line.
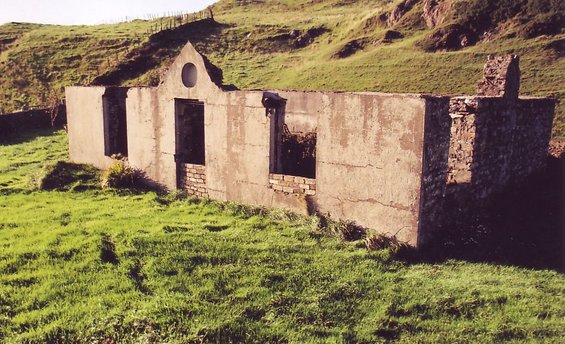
pixel 351 45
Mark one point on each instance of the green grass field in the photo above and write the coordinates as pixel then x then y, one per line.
pixel 142 267
pixel 105 266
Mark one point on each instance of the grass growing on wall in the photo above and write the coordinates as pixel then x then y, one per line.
pixel 140 267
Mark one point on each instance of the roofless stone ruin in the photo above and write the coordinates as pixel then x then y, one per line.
pixel 385 161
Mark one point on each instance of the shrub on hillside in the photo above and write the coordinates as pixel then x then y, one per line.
pixel 545 6
pixel 120 176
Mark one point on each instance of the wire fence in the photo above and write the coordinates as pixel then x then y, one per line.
pixel 179 19
pixel 169 21
pixel 185 16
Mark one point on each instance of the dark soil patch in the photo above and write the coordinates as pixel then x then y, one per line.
pixel 298 38
pixel 449 38
pixel 391 35
pixel 7 40
pixel 348 49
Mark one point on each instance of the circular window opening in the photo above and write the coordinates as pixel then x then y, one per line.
pixel 189 75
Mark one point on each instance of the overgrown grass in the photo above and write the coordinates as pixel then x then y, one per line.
pixel 142 267
pixel 250 50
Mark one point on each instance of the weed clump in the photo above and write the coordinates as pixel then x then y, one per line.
pixel 120 176
pixel 66 176
pixel 376 242
pixel 347 230
pixel 344 230
pixel 243 210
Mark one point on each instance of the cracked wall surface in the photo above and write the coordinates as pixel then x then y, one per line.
pixel 385 161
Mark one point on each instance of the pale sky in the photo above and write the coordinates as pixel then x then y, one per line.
pixel 74 12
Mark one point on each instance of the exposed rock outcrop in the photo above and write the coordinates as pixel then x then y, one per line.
pixel 399 11
pixel 436 11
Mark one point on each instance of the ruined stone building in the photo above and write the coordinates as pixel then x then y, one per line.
pixel 385 161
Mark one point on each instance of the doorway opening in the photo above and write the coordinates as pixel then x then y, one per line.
pixel 189 131
pixel 115 122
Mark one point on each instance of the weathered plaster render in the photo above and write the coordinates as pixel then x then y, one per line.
pixel 384 161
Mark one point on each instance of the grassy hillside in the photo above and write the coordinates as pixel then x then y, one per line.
pixel 109 266
pixel 128 267
pixel 352 45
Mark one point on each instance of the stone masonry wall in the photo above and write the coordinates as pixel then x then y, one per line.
pixel 192 179
pixel 495 142
pixel 32 119
pixel 501 78
pixel 496 137
pixel 292 185
pixel 480 146
pixel 436 148
pixel 462 112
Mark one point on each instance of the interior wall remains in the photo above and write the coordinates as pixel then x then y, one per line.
pixel 85 124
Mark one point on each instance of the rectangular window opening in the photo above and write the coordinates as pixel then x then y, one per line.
pixel 292 153
pixel 115 122
pixel 189 129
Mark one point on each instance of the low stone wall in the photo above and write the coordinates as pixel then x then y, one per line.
pixel 193 179
pixel 292 185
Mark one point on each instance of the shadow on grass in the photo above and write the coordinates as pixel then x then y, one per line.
pixel 521 226
pixel 27 135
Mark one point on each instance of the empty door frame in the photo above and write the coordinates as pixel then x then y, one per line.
pixel 189 132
